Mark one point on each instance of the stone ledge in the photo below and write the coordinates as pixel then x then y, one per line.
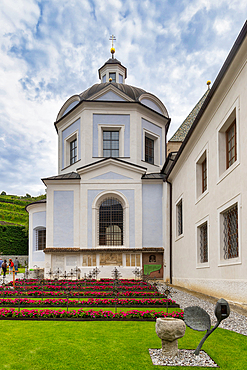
pixel 103 250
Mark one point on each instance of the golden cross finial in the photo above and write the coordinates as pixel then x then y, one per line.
pixel 112 38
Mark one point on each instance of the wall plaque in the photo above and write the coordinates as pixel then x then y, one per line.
pixel 111 259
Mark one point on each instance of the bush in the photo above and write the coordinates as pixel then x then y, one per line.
pixel 13 240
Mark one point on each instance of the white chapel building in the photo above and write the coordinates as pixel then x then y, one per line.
pixel 119 200
pixel 105 207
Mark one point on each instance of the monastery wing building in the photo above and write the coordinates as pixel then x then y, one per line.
pixel 119 201
pixel 105 208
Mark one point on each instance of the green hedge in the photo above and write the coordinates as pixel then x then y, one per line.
pixel 13 240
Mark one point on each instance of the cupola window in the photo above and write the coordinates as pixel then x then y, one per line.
pixel 112 75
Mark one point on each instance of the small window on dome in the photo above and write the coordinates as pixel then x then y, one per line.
pixel 112 75
pixel 104 79
pixel 120 79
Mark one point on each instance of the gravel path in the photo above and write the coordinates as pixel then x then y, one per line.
pixel 234 322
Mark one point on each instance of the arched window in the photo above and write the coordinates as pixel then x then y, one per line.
pixel 111 222
pixel 40 239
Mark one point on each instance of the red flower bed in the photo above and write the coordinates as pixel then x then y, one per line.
pixel 80 314
pixel 90 302
pixel 39 293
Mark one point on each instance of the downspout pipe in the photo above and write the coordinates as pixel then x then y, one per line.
pixel 170 230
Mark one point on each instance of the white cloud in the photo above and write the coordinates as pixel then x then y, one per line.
pixel 52 50
pixel 222 26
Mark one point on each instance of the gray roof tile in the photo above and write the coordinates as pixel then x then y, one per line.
pixel 66 176
pixel 187 123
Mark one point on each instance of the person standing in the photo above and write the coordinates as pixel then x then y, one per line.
pixel 16 264
pixel 1 262
pixel 11 265
pixel 4 267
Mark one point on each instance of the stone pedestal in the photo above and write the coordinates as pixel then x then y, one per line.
pixel 169 330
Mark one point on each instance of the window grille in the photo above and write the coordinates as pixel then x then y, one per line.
pixel 231 145
pixel 40 239
pixel 110 144
pixel 111 222
pixel 204 243
pixel 149 150
pixel 180 218
pixel 204 175
pixel 230 233
pixel 73 151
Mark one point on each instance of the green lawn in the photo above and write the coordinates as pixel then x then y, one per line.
pixel 104 346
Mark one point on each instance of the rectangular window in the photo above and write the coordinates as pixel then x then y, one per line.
pixel 89 260
pixel 133 260
pixel 73 151
pixel 120 78
pixel 231 145
pixel 228 142
pixel 40 239
pixel 112 75
pixel 230 233
pixel 149 150
pixel 204 175
pixel 111 144
pixel 104 78
pixel 203 229
pixel 180 218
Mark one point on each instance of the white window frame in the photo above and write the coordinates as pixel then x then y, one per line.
pixel 156 139
pixel 198 174
pixel 232 114
pixel 221 211
pixel 35 245
pixel 198 225
pixel 95 221
pixel 179 200
pixel 109 127
pixel 67 142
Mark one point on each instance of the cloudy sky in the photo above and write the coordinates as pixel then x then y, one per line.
pixel 52 49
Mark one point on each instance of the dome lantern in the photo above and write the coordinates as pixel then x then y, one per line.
pixel 112 70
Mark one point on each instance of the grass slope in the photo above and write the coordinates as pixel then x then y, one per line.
pixel 12 209
pixel 104 345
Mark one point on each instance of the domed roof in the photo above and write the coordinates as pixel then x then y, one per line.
pixel 131 91
pixel 134 93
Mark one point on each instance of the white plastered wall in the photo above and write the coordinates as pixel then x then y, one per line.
pixel 228 280
pixel 85 112
pixel 32 209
